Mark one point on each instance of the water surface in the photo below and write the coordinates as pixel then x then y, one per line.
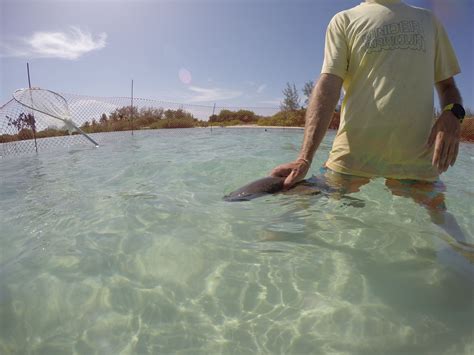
pixel 129 248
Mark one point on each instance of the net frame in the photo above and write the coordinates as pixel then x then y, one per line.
pixel 49 107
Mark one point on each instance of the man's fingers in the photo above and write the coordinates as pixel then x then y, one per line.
pixel 296 175
pixel 445 135
pixel 290 179
pixel 447 155
pixel 452 154
pixel 443 155
pixel 455 155
pixel 432 137
pixel 280 171
pixel 292 172
pixel 438 149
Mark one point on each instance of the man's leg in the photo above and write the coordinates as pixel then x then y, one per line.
pixel 337 184
pixel 431 196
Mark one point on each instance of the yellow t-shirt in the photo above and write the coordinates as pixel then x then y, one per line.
pixel 389 55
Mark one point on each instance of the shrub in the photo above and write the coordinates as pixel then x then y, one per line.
pixel 173 123
pixel 285 118
pixel 243 116
pixel 467 130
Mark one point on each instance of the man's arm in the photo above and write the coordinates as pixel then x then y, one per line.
pixel 445 134
pixel 448 92
pixel 320 110
pixel 319 113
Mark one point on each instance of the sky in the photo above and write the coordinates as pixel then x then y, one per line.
pixel 205 52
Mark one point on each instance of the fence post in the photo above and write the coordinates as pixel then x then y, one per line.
pixel 131 109
pixel 213 110
pixel 33 128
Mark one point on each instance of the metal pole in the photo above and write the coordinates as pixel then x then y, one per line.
pixel 131 109
pixel 34 121
pixel 28 71
pixel 213 110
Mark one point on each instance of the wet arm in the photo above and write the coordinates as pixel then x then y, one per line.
pixel 448 92
pixel 445 134
pixel 319 113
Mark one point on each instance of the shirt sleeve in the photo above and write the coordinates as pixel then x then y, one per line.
pixel 446 63
pixel 336 52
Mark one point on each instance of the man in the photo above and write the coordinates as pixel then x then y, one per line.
pixel 387 56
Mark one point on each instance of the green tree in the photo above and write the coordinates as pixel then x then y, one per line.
pixel 246 116
pixel 151 114
pixel 123 113
pixel 169 114
pixel 307 90
pixel 103 119
pixel 242 116
pixel 291 99
pixel 24 121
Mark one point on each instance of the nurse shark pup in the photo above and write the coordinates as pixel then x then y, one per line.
pixel 269 185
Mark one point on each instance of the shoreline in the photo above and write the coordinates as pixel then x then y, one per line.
pixel 256 126
pixel 464 139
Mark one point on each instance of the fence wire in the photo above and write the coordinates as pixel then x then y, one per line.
pixel 24 131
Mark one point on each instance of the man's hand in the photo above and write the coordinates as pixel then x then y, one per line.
pixel 320 109
pixel 293 172
pixel 445 135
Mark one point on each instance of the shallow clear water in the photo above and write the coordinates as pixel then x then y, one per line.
pixel 129 248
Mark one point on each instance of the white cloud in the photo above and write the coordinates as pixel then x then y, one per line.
pixel 212 94
pixel 65 45
pixel 261 88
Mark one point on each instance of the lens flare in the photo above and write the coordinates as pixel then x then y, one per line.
pixel 185 76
